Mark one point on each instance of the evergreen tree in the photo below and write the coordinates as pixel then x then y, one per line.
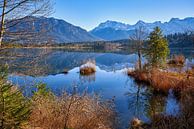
pixel 42 92
pixel 14 107
pixel 157 49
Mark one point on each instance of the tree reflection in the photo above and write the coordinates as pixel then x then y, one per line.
pixel 138 96
pixel 156 105
pixel 143 103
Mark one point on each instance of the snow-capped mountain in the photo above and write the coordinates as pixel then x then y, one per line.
pixel 60 31
pixel 112 30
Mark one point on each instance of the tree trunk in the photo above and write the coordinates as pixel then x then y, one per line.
pixel 139 58
pixel 2 22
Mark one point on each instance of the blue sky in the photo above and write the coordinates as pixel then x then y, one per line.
pixel 89 13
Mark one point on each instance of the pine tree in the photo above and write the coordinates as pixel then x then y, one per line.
pixel 14 107
pixel 157 49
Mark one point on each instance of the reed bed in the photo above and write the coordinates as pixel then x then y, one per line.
pixel 163 80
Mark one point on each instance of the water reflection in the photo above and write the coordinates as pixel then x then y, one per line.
pixel 145 104
pixel 138 97
pixel 132 99
pixel 157 104
pixel 42 62
pixel 87 78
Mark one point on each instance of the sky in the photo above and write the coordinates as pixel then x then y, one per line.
pixel 90 13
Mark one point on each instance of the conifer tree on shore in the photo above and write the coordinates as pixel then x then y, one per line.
pixel 14 107
pixel 157 49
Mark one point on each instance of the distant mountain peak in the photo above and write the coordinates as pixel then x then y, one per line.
pixel 174 19
pixel 111 24
pixel 110 21
pixel 121 30
pixel 140 22
pixel 157 22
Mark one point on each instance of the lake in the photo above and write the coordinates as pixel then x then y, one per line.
pixel 132 99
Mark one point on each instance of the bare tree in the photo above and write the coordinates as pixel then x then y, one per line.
pixel 13 12
pixel 138 38
pixel 2 21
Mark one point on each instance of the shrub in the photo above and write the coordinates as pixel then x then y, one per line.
pixel 72 111
pixel 47 111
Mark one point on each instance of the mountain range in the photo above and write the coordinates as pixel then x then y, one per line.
pixel 112 30
pixel 61 31
pixel 44 30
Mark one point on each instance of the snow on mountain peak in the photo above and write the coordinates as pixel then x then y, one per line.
pixel 120 30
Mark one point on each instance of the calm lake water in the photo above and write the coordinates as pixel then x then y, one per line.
pixel 29 66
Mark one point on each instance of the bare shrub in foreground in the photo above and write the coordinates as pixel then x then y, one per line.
pixel 72 111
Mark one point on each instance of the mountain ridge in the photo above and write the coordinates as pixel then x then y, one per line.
pixel 61 31
pixel 57 30
pixel 174 25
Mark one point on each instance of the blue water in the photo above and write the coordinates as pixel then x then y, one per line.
pixel 31 66
pixel 131 100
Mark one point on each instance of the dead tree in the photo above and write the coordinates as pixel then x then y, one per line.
pixel 138 38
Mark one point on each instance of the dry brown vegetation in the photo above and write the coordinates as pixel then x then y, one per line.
pixel 177 60
pixel 183 86
pixel 183 121
pixel 88 68
pixel 163 80
pixel 71 112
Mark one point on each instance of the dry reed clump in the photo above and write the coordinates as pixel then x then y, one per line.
pixel 162 80
pixel 136 124
pixel 88 68
pixel 177 60
pixel 72 112
pixel 187 107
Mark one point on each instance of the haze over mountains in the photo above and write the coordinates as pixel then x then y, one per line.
pixel 61 31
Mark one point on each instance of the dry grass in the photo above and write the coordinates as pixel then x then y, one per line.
pixel 72 112
pixel 163 122
pixel 88 68
pixel 177 60
pixel 139 75
pixel 163 80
